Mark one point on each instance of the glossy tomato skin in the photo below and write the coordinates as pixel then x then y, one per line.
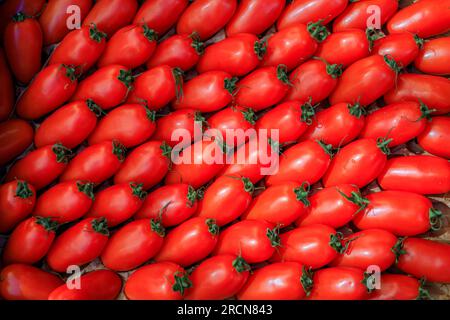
pixel 96 163
pixel 65 202
pixel 160 15
pixel 420 174
pixel 15 137
pixel 23 46
pixel 434 57
pixel 157 281
pixel 133 244
pixel 216 12
pixel 41 166
pixel 433 91
pixel 254 16
pixel 189 242
pixel 24 282
pixel 17 200
pixel 402 47
pixel 95 285
pixel 425 258
pixel 254 240
pixel 397 287
pixel 35 101
pixel 424 18
pixel 277 281
pixel 436 137
pixel 78 245
pixel 7 93
pixel 147 164
pixel 218 278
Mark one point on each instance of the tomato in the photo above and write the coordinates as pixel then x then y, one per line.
pixel 30 241
pixel 35 102
pixel 424 18
pixel 358 15
pixel 133 244
pixel 15 137
pixel 306 11
pixel 344 47
pixel 189 242
pixel 400 122
pixel 95 285
pixel 23 282
pixel 157 87
pixel 160 15
pixel 434 57
pixel 433 91
pixel 17 199
pixel 254 240
pixel 41 166
pixel 333 206
pixel 217 278
pixel 66 201
pixel 276 281
pixel 81 48
pixel 71 124
pixel 130 46
pixel 96 163
pixel 313 81
pixel 54 18
pixel 111 15
pixel 399 287
pixel 254 16
pixel 263 88
pixel 23 45
pixel 7 93
pixel 209 91
pixel 305 162
pixel 290 196
pixel 206 17
pixel 425 258
pixel 226 199
pixel 108 86
pixel 402 213
pixel 158 281
pixel 236 55
pixel 78 245
pixel 336 125
pixel 147 164
pixel 420 174
pixel 436 136
pixel 402 47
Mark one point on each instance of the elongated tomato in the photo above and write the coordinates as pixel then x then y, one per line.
pixel 402 47
pixel 399 287
pixel 15 137
pixel 434 57
pixel 7 94
pixel 436 137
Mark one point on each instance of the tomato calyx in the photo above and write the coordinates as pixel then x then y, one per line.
pixel 397 249
pixel 436 219
pixel 426 112
pixel 333 70
pixel 318 31
pixel 157 227
pixel 419 41
pixel 151 115
pixel 230 85
pixel 336 242
pixel 383 145
pixel 71 72
pixel 260 48
pixel 372 35
pixel 197 44
pixel 100 226
pixel 306 280
pixel 126 77
pixel 192 196
pixel 356 110
pixel 166 150
pixel 22 190
pixel 274 145
pixel 274 236
pixel 249 115
pixel 392 64
pixel 119 150
pixel 95 108
pixel 182 282
pixel 240 265
pixel 87 188
pixel 302 193
pixel 47 223
pixel 282 74
pixel 248 185
pixel 368 281
pixel 308 111
pixel 213 228
pixel 328 148
pixel 177 74
pixel 356 198
pixel 96 34
pixel 137 190
pixel 423 294
pixel 149 33
pixel 62 153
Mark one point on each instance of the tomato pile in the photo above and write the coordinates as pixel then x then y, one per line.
pixel 87 148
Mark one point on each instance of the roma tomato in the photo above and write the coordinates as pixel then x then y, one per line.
pixel 23 46
pixel 78 245
pixel 425 258
pixel 41 166
pixel 216 12
pixel 189 242
pixel 424 18
pixel 7 94
pixel 133 244
pixel 420 174
pixel 17 199
pixel 36 101
pixel 253 240
pixel 147 164
pixel 157 281
pixel 399 287
pixel 254 16
pixel 96 163
pixel 65 202
pixel 15 137
pixel 402 47
pixel 130 46
pixel 24 282
pixel 217 278
pixel 434 57
pixel 276 281
pixel 95 285
pixel 436 137
pixel 358 163
pixel 30 241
